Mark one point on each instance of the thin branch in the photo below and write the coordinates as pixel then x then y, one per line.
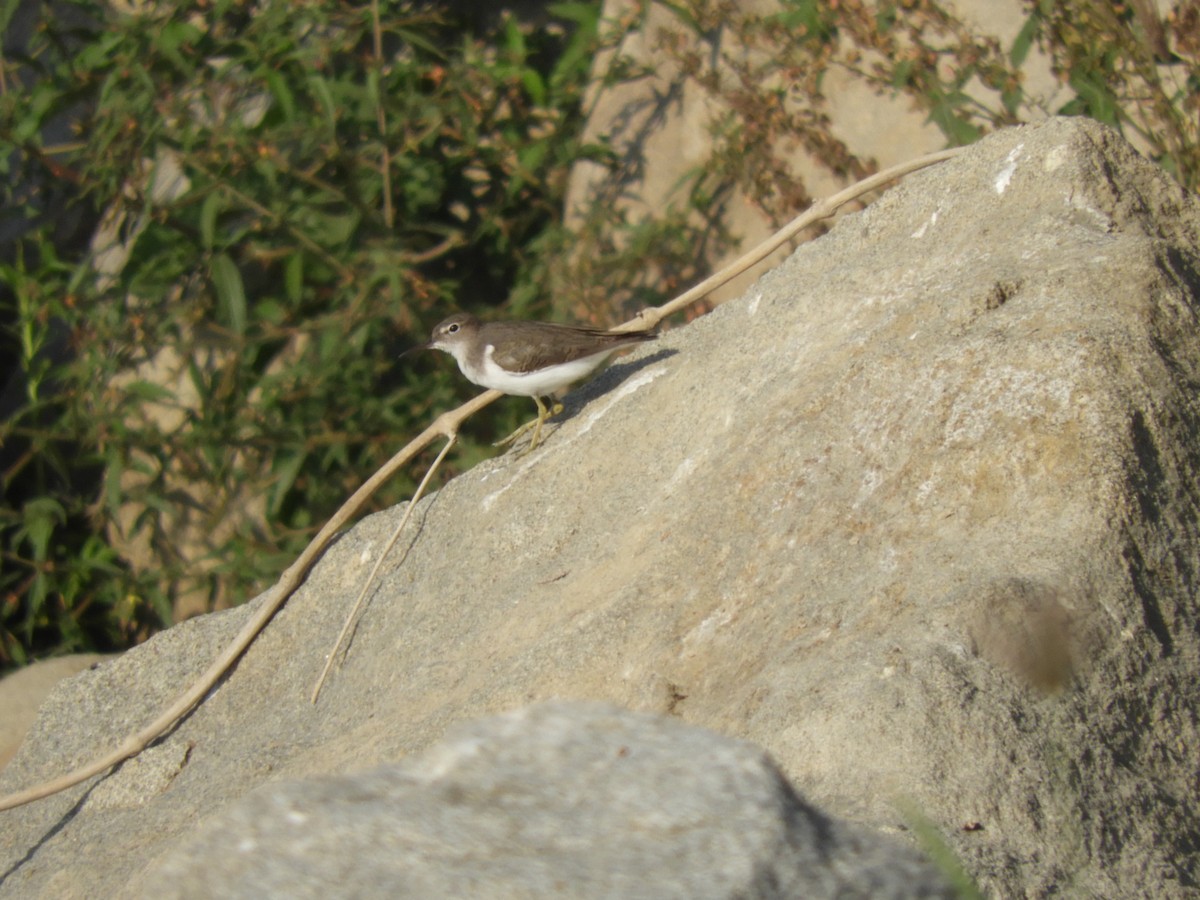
pixel 446 425
pixel 353 617
pixel 385 163
pixel 822 209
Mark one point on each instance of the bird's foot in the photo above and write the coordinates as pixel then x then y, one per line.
pixel 535 424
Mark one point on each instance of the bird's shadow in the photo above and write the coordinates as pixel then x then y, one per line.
pixel 579 397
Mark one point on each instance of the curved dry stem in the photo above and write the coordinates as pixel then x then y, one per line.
pixel 822 209
pixel 446 425
pixel 362 595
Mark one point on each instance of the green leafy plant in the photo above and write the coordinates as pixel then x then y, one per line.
pixel 1133 68
pixel 1123 63
pixel 280 195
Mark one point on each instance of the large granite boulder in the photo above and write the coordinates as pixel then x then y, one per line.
pixel 917 516
pixel 560 800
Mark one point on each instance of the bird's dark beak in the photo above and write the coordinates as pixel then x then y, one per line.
pixel 417 349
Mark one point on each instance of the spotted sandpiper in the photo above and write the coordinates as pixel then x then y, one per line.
pixel 528 359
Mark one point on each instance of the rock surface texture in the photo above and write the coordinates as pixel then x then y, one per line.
pixel 22 693
pixel 917 516
pixel 557 800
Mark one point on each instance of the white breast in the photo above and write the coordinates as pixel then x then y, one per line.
pixel 529 384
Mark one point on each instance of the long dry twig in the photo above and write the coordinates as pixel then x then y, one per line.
pixel 446 425
pixel 350 619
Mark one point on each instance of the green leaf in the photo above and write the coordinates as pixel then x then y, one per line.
pixel 176 33
pixel 939 851
pixel 1097 98
pixel 576 60
pixel 283 95
pixel 7 8
pixel 38 591
pixel 98 54
pixel 231 293
pixel 415 39
pixel 149 391
pixel 946 114
pixel 582 14
pixel 885 19
pixel 514 39
pixel 811 20
pixel 40 517
pixel 330 228
pixel 1012 100
pixel 113 494
pixel 293 277
pixel 320 87
pixel 684 14
pixel 38 103
pixel 373 86
pixel 209 210
pixel 534 86
pixel 286 469
pixel 96 554
pixel 531 158
pixel 1024 40
pixel 267 309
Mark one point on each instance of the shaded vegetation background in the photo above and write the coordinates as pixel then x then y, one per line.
pixel 220 222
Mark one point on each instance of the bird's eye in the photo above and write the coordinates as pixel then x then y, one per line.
pixel 453 328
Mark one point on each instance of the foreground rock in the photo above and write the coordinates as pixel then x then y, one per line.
pixel 918 516
pixel 561 800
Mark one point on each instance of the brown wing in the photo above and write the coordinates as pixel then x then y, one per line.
pixel 546 344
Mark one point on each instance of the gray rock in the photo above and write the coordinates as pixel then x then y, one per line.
pixel 917 516
pixel 22 692
pixel 559 800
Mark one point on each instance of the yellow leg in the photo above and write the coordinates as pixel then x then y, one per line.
pixel 535 424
